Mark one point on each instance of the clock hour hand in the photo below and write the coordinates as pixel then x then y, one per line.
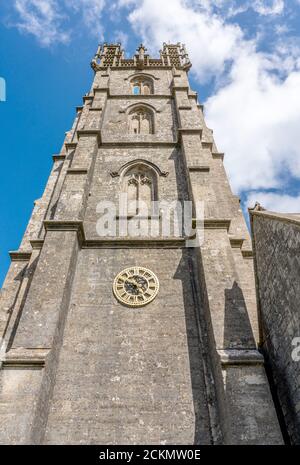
pixel 131 281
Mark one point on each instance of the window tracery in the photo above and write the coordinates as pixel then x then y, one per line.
pixel 140 184
pixel 142 86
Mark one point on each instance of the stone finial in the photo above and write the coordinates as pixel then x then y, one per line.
pixel 257 208
pixel 185 57
pixel 97 58
pixel 141 50
pixel 141 56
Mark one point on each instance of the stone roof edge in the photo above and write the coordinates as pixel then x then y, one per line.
pixel 293 218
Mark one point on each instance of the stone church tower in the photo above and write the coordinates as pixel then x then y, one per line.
pixel 134 340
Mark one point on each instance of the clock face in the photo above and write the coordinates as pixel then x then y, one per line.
pixel 136 286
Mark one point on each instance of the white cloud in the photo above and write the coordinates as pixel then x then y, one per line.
pixel 282 28
pixel 260 131
pixel 230 8
pixel 91 11
pixel 255 111
pixel 275 202
pixel 49 20
pixel 41 18
pixel 271 7
pixel 210 41
pixel 122 37
pixel 256 105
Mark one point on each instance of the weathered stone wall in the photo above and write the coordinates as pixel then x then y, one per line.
pixel 277 260
pixel 119 82
pixel 130 375
pixel 111 160
pixel 116 120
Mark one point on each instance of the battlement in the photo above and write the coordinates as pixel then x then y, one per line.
pixel 112 55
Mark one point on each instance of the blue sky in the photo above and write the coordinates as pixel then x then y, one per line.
pixel 246 69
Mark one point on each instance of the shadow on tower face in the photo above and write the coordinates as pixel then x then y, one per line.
pixel 238 332
pixel 14 319
pixel 225 388
pixel 194 339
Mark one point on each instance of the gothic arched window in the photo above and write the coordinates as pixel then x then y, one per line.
pixel 142 86
pixel 141 121
pixel 140 184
